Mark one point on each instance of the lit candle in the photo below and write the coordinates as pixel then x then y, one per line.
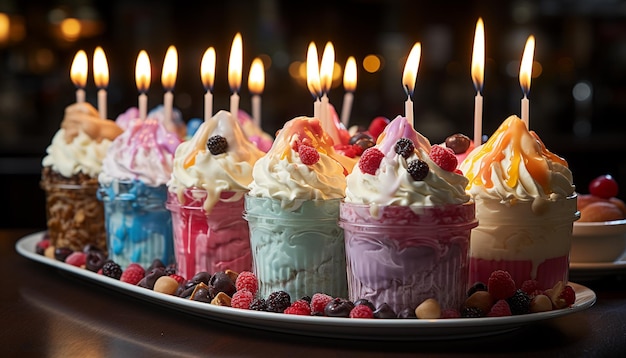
pixel 235 65
pixel 101 78
pixel 313 78
pixel 525 74
pixel 256 83
pixel 326 80
pixel 409 77
pixel 349 84
pixel 78 74
pixel 142 78
pixel 478 77
pixel 207 73
pixel 168 80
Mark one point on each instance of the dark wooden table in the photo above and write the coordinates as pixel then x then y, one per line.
pixel 47 313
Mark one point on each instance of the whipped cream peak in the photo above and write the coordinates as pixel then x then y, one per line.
pixel 81 142
pixel 514 164
pixel 231 171
pixel 392 184
pixel 175 124
pixel 282 175
pixel 400 128
pixel 144 152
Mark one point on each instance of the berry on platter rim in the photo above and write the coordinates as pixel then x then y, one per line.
pixel 563 301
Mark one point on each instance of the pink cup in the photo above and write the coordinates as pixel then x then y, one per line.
pixel 406 255
pixel 209 241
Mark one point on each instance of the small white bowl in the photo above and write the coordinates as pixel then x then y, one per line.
pixel 603 241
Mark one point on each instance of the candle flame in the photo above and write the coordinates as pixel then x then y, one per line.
pixel 410 69
pixel 142 72
pixel 170 69
pixel 78 71
pixel 235 64
pixel 207 69
pixel 100 68
pixel 313 71
pixel 327 67
pixel 349 75
pixel 256 80
pixel 478 56
pixel 526 67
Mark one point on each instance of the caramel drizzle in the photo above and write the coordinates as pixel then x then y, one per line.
pixel 514 134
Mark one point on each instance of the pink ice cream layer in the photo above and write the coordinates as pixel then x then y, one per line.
pixel 549 272
pixel 210 242
pixel 407 256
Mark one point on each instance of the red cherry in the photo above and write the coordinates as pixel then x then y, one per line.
pixel 603 186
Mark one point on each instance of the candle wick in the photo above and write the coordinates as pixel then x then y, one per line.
pixel 408 91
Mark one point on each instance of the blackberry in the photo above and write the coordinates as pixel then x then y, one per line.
pixel 258 304
pixel 307 299
pixel 477 286
pixel 404 147
pixel 278 301
pixel 472 312
pixel 111 269
pixel 418 169
pixel 217 144
pixel 519 302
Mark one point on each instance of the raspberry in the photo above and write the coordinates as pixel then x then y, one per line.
pixel 530 286
pixel 180 279
pixel 404 147
pixel 568 295
pixel 361 311
pixel 278 301
pixel 318 302
pixel 258 304
pixel 501 285
pixel 500 309
pixel 418 169
pixel 133 274
pixel 450 313
pixel 76 258
pixel 112 269
pixel 217 144
pixel 300 307
pixel 370 160
pixel 308 154
pixel 519 302
pixel 443 157
pixel 242 299
pixel 247 280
